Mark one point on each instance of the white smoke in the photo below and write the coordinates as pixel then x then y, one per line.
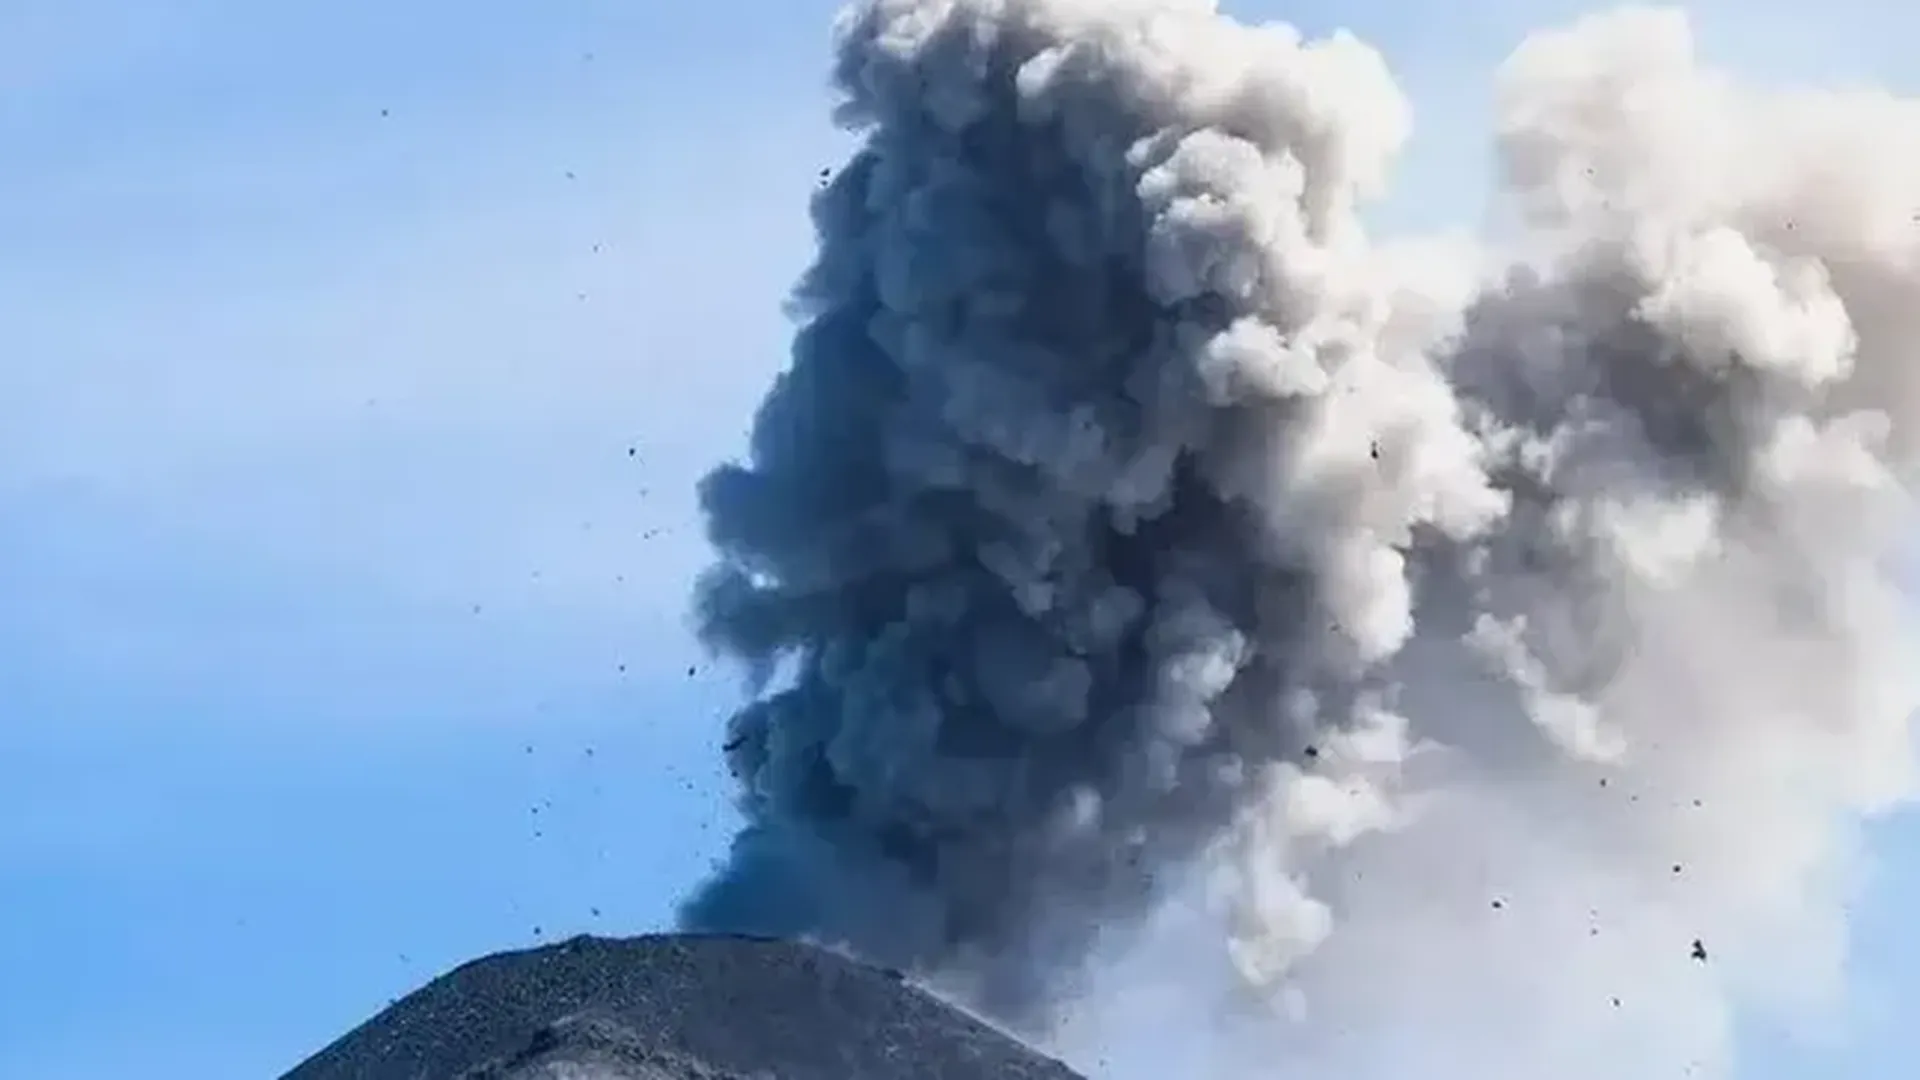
pixel 1220 631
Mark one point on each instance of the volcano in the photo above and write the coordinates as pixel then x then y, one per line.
pixel 674 1007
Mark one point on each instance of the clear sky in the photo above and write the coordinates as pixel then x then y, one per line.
pixel 356 362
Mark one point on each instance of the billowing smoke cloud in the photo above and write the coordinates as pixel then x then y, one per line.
pixel 1173 611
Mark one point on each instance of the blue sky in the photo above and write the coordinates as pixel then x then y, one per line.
pixel 356 360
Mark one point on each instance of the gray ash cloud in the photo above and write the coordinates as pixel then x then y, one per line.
pixel 1131 532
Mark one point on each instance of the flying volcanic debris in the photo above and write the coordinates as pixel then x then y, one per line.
pixel 1165 602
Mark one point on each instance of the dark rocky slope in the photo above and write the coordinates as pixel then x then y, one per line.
pixel 673 1007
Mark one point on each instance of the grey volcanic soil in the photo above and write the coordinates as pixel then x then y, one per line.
pixel 673 1007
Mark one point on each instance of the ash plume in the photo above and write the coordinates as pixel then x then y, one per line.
pixel 1172 610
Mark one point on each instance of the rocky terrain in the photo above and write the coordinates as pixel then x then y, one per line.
pixel 674 1007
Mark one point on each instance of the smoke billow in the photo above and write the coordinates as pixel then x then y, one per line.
pixel 1171 610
